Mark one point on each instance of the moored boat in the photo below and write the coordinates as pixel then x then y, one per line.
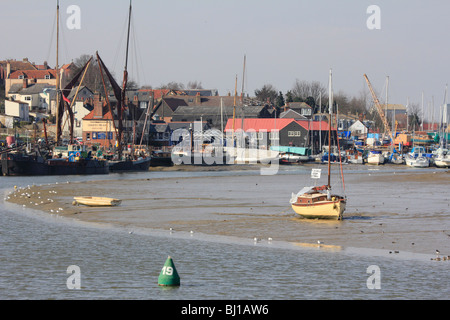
pixel 96 201
pixel 416 158
pixel 318 202
pixel 442 158
pixel 313 202
pixel 375 157
pixel 71 162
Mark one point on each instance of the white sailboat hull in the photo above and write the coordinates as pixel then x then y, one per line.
pixel 443 162
pixel 419 162
pixel 252 156
pixel 375 159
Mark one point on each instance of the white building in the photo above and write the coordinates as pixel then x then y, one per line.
pixel 34 95
pixel 358 128
pixel 18 109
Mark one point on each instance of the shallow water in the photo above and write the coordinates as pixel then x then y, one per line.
pixel 121 251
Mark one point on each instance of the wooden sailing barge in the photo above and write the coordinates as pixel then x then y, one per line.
pixel 121 162
pixel 42 160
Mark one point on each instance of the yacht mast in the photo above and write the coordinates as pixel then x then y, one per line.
pixel 330 102
pixel 58 115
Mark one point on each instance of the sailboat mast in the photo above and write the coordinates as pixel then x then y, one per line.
pixel 243 81
pixel 242 97
pixel 234 104
pixel 330 102
pixel 128 38
pixel 124 87
pixel 58 128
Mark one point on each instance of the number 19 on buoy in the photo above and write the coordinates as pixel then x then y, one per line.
pixel 169 275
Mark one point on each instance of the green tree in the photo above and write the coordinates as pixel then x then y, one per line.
pixel 289 97
pixel 267 93
pixel 279 102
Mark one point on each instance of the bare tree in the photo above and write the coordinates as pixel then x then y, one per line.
pixel 414 119
pixel 194 85
pixel 304 89
pixel 173 85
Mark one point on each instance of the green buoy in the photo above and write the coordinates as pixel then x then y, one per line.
pixel 169 275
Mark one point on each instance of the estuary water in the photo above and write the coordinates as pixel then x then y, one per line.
pixel 231 234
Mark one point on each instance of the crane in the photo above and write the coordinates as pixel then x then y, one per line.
pixel 380 110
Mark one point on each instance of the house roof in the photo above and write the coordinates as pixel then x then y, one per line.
pixel 258 124
pixel 270 124
pixel 18 65
pixel 201 92
pixel 298 105
pixel 314 125
pixel 174 125
pixel 106 115
pixel 159 127
pixel 157 93
pixel 292 114
pixel 174 103
pixel 31 89
pixel 33 74
pixel 216 110
pixel 74 91
pixel 394 106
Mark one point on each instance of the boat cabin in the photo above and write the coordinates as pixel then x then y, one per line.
pixel 71 152
pixel 311 198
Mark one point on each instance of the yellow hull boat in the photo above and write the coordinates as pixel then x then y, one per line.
pixel 316 205
pixel 97 201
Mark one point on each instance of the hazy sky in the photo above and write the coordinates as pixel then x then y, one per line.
pixel 283 40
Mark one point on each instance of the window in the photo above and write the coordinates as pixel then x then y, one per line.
pixel 274 135
pixel 21 76
pixel 27 98
pixel 88 136
pixel 47 76
pixel 294 133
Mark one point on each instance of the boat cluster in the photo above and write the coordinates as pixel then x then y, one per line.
pixel 416 157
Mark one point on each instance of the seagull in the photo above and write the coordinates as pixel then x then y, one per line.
pixel 437 252
pixel 269 239
pixel 319 242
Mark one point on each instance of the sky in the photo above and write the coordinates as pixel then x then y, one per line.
pixel 283 41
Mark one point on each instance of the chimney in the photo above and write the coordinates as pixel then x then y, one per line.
pixel 98 106
pixel 8 69
pixel 198 99
pixel 25 83
pixel 45 65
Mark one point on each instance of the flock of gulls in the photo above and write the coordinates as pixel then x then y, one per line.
pixel 36 198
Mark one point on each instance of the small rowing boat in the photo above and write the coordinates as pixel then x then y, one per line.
pixel 97 201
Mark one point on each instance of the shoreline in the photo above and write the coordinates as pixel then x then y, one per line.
pixel 67 218
pixel 56 199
